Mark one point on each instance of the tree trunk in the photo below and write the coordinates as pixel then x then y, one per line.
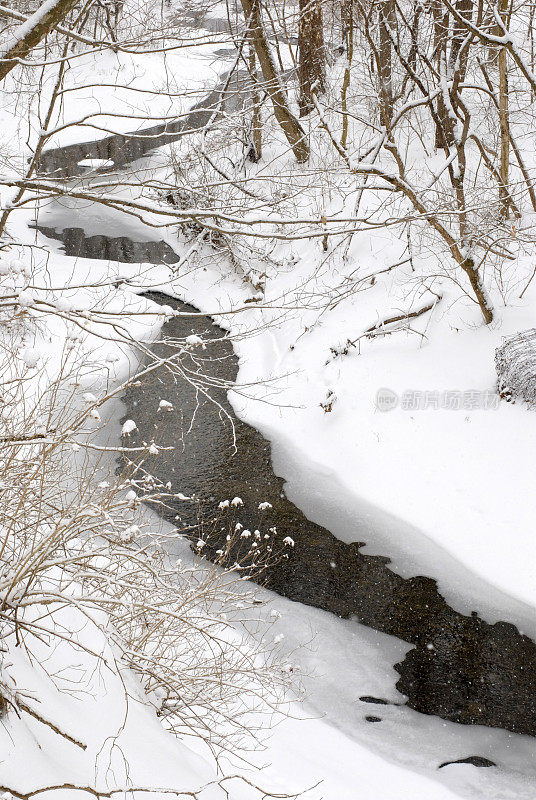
pixel 255 152
pixel 34 30
pixel 312 54
pixel 444 136
pixel 290 126
pixel 386 21
pixel 505 138
pixel 468 266
pixel 504 121
pixel 347 16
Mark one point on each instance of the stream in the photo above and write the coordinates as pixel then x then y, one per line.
pixel 459 667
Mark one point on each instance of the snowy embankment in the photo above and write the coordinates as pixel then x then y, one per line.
pixel 116 740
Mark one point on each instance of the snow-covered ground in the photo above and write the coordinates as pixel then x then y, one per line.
pixel 444 491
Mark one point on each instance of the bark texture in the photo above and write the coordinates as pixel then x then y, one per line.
pixel 386 24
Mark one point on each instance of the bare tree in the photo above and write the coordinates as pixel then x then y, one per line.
pixel 290 126
pixel 256 118
pixel 503 117
pixel 386 25
pixel 347 24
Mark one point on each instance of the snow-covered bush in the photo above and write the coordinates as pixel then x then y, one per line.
pixel 84 546
pixel 515 361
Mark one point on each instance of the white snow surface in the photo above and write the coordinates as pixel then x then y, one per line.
pixel 101 706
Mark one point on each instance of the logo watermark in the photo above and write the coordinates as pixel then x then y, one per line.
pixel 386 399
pixel 448 400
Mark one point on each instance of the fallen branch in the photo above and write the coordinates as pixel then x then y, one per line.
pixel 132 789
pixel 379 329
pixel 402 317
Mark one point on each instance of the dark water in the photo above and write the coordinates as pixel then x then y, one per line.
pixel 123 149
pixel 119 248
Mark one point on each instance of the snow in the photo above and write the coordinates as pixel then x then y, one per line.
pixel 129 426
pixel 471 507
pixel 94 110
pixel 26 299
pixel 326 737
pixel 31 357
pixel 444 491
pixel 125 744
pixel 95 163
pixel 328 745
pixel 473 499
pixel 194 341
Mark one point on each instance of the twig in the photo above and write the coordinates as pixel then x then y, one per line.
pixel 51 725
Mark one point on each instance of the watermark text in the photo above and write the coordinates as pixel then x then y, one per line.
pixel 448 399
